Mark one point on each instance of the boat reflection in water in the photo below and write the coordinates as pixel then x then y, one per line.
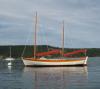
pixel 56 77
pixel 18 77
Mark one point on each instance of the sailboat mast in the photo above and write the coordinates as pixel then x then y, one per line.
pixel 35 32
pixel 10 51
pixel 62 38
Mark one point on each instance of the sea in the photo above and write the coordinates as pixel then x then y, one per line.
pixel 19 77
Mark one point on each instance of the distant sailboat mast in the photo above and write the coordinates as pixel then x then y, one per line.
pixel 35 32
pixel 10 51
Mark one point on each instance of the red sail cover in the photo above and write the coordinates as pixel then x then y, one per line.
pixel 48 53
pixel 75 52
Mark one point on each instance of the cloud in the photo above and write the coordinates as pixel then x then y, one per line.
pixel 82 19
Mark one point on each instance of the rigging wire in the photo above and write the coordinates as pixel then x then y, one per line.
pixel 25 44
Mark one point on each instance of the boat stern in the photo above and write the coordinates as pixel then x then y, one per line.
pixel 85 61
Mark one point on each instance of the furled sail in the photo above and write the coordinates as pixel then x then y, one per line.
pixel 49 53
pixel 75 52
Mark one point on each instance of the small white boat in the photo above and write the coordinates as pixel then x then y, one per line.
pixel 9 59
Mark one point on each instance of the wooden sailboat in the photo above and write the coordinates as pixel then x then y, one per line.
pixel 38 60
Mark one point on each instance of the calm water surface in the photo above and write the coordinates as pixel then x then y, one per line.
pixel 19 77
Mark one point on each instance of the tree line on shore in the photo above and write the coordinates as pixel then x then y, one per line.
pixel 17 50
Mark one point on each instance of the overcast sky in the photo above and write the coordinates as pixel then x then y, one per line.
pixel 81 17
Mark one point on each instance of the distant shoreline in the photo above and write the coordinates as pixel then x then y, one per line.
pixel 18 49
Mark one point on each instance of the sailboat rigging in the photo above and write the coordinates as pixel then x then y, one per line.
pixel 39 60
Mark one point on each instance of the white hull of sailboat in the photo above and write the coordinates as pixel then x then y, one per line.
pixel 9 59
pixel 58 63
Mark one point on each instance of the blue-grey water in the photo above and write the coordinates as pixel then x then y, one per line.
pixel 20 77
